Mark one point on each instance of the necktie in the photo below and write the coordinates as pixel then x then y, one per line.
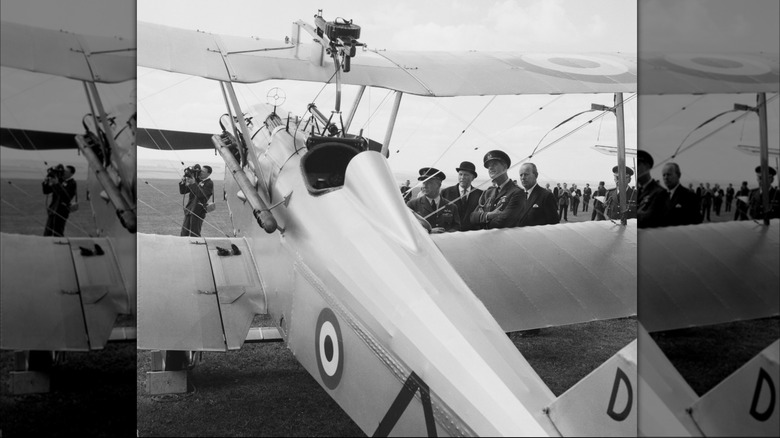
pixel 433 204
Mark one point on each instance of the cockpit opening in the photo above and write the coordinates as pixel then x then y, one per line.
pixel 325 163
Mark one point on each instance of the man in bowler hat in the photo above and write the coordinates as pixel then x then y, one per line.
pixel 653 199
pixel 464 195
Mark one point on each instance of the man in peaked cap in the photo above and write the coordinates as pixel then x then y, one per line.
pixel 653 199
pixel 440 214
pixel 756 199
pixel 466 196
pixel 500 205
pixel 612 205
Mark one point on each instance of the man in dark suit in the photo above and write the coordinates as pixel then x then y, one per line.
pixel 729 197
pixel 563 203
pixel 742 207
pixel 683 207
pixel 756 199
pixel 464 195
pixel 499 206
pixel 538 207
pixel 612 204
pixel 653 199
pixel 598 206
pixel 60 183
pixel 586 192
pixel 199 186
pixel 442 215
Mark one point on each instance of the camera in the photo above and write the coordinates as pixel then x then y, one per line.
pixel 57 171
pixel 192 172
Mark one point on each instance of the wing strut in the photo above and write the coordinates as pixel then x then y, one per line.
pixel 621 156
pixel 761 98
pixel 391 123
pixel 125 209
pixel 259 199
pixel 353 111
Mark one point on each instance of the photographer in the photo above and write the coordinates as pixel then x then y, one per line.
pixel 197 183
pixel 60 184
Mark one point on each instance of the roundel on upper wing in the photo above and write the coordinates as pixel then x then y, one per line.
pixel 329 348
pixel 734 68
pixel 585 68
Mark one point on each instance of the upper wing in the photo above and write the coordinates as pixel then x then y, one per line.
pixel 53 297
pixel 701 73
pixel 85 58
pixel 248 60
pixel 549 275
pixel 709 274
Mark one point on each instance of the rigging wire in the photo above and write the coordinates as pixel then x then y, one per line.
pixel 547 146
pixel 683 108
pixel 710 134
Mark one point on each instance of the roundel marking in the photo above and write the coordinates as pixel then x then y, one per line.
pixel 329 348
pixel 578 67
pixel 719 64
pixel 576 64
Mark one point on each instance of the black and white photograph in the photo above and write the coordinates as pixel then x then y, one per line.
pixel 346 218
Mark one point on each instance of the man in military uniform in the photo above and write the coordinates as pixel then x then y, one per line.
pixel 441 214
pixel 499 206
pixel 466 196
pixel 651 211
pixel 756 199
pixel 612 205
pixel 683 206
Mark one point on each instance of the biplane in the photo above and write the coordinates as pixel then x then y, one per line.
pixel 76 306
pixel 708 274
pixel 406 337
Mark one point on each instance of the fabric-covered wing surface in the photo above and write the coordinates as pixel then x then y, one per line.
pixel 709 274
pixel 702 73
pixel 60 53
pixel 249 60
pixel 549 275
pixel 192 298
pixel 72 306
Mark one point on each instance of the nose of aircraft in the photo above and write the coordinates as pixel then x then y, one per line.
pixel 429 321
